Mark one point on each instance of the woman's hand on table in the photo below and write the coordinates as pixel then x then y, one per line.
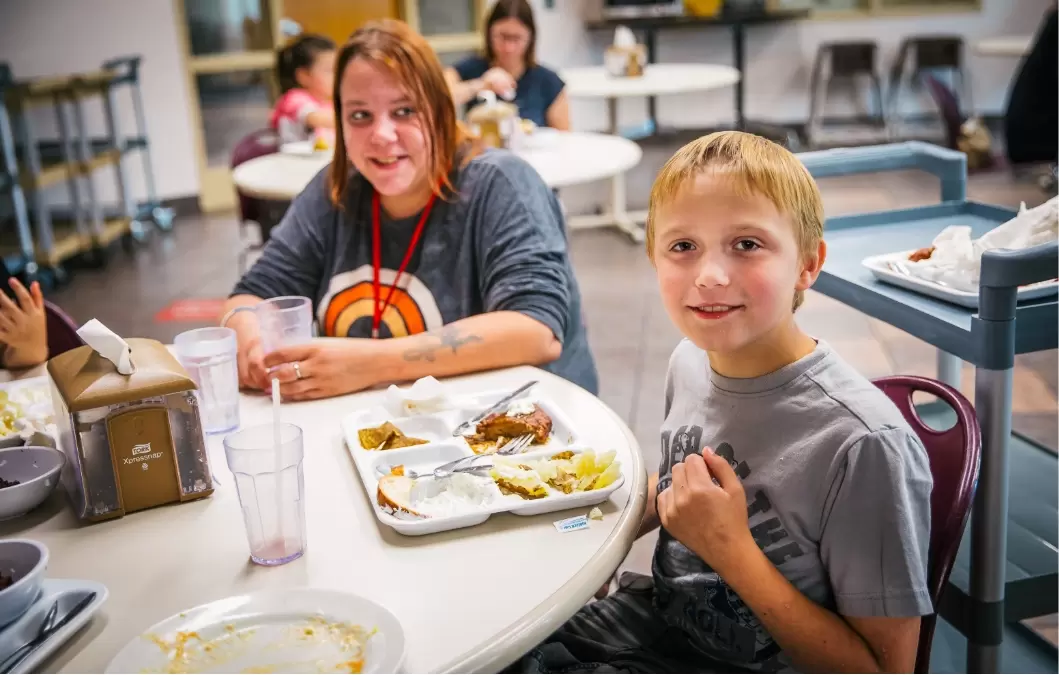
pixel 250 355
pixel 23 326
pixel 324 368
pixel 709 518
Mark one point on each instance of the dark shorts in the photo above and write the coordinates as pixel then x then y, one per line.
pixel 618 634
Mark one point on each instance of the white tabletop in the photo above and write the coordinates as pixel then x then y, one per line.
pixel 469 600
pixel 562 158
pixel 658 79
pixel 1009 45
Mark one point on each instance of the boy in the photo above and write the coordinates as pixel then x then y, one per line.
pixel 794 501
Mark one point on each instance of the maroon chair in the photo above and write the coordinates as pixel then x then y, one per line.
pixel 954 457
pixel 251 209
pixel 62 331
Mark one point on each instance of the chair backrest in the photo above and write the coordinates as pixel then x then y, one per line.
pixel 948 107
pixel 62 331
pixel 954 458
pixel 256 144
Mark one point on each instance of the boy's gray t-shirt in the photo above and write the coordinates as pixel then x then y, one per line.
pixel 838 496
pixel 500 244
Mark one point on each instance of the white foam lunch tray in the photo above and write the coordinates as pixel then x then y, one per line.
pixel 443 447
pixel 879 266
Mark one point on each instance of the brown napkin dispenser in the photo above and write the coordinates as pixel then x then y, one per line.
pixel 132 441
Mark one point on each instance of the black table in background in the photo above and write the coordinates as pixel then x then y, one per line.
pixel 650 26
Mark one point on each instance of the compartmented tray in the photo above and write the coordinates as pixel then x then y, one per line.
pixel 442 446
pixel 881 269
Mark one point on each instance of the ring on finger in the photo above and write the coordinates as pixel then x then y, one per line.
pixel 298 370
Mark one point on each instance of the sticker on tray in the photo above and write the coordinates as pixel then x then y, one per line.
pixel 572 524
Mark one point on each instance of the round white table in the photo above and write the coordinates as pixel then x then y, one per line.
pixel 562 158
pixel 658 79
pixel 1012 46
pixel 470 600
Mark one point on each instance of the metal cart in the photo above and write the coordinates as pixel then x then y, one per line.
pixel 31 166
pixel 995 592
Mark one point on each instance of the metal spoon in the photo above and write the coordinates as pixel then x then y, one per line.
pixel 11 662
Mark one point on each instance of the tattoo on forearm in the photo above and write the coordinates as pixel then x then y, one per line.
pixel 448 337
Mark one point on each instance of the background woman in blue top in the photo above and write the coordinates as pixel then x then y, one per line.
pixel 509 65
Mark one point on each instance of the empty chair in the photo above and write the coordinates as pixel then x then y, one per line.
pixel 252 209
pixel 849 62
pixel 954 460
pixel 922 55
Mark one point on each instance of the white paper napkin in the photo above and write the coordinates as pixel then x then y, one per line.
pixel 425 396
pixel 109 345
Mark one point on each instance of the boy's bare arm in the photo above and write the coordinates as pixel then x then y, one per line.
pixel 711 520
pixel 815 638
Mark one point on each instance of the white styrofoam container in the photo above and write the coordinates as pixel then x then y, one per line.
pixel 444 447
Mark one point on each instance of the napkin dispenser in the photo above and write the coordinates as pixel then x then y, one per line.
pixel 129 424
pixel 625 58
pixel 496 121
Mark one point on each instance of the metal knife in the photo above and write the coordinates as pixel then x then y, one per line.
pixel 458 431
pixel 20 655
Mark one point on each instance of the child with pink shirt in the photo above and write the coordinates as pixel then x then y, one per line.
pixel 306 71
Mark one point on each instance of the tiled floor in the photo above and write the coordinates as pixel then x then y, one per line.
pixel 628 330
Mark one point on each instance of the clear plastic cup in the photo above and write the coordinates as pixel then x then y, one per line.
pixel 284 321
pixel 273 502
pixel 209 356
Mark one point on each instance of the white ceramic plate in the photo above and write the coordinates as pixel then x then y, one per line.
pixel 298 630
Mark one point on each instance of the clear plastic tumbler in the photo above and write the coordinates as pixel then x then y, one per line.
pixel 284 321
pixel 271 492
pixel 209 356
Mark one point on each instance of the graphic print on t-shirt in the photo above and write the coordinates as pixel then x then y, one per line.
pixel 347 308
pixel 690 594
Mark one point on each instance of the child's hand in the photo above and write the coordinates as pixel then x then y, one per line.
pixel 709 518
pixel 23 326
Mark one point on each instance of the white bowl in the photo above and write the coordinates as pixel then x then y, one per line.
pixel 26 561
pixel 36 468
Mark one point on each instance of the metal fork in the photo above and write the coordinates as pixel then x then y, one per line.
pixel 515 445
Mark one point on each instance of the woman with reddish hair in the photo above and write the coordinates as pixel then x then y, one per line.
pixel 429 256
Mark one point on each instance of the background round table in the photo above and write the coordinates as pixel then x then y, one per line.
pixel 562 158
pixel 658 79
pixel 470 600
pixel 1013 46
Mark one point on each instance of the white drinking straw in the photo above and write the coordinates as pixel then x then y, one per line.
pixel 277 443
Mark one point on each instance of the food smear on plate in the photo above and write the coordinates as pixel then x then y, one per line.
pixel 435 497
pixel 313 644
pixel 386 437
pixel 522 417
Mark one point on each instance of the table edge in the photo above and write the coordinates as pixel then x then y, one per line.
pixel 533 628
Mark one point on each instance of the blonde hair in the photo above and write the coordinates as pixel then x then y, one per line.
pixel 754 165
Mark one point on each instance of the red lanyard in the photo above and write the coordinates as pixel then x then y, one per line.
pixel 376 259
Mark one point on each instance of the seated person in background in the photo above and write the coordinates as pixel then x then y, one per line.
pixel 793 499
pixel 426 256
pixel 509 67
pixel 23 326
pixel 306 72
